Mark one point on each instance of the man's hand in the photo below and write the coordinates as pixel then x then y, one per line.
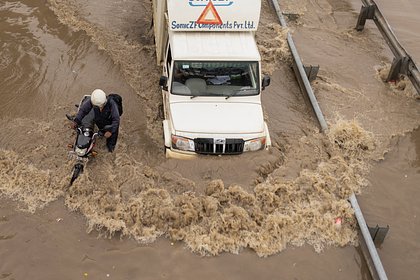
pixel 73 125
pixel 107 134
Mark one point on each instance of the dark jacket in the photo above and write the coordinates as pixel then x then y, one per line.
pixel 108 116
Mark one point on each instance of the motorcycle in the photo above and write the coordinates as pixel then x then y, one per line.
pixel 82 149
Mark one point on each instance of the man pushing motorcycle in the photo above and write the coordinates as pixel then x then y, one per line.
pixel 102 111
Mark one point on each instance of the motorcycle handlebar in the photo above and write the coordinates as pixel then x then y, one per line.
pixel 100 133
pixel 77 127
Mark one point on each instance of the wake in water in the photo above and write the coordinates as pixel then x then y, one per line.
pixel 136 201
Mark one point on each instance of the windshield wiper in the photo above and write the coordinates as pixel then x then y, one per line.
pixel 207 94
pixel 238 91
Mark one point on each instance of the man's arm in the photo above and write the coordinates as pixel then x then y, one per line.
pixel 83 111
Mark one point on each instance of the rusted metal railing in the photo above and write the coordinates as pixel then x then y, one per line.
pixel 403 63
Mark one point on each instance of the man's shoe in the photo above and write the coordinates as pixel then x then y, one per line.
pixel 111 149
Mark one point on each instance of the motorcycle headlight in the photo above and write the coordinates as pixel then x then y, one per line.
pixel 254 144
pixel 182 143
pixel 80 152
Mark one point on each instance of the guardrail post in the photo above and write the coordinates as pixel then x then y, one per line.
pixel 366 12
pixel 378 234
pixel 399 66
pixel 311 72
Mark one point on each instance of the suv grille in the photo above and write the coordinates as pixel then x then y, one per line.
pixel 219 146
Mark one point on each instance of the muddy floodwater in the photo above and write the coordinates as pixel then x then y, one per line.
pixel 134 214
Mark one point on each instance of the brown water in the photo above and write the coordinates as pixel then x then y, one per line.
pixel 286 197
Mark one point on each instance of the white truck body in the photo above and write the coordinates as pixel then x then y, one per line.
pixel 211 83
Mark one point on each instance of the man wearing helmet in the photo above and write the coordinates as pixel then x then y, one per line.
pixel 104 112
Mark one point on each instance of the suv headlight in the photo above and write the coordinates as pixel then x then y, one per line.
pixel 254 144
pixel 182 143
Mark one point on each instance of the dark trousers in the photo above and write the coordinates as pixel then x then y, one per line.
pixel 111 142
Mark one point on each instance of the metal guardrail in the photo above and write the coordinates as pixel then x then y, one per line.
pixel 403 63
pixel 300 71
pixel 371 255
pixel 369 250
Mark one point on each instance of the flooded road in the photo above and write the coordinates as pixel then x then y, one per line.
pixel 53 244
pixel 255 204
pixel 393 200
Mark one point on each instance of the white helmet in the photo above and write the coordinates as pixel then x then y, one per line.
pixel 98 98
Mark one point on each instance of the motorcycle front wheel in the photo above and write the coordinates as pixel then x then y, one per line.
pixel 77 170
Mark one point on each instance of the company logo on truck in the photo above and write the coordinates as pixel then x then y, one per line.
pixel 217 15
pixel 201 3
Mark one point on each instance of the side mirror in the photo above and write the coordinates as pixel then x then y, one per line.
pixel 266 82
pixel 163 81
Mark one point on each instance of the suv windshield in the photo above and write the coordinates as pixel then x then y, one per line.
pixel 208 78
